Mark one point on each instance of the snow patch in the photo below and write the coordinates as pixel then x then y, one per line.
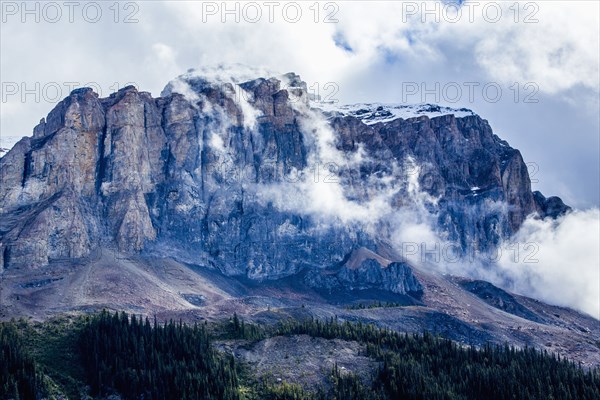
pixel 372 113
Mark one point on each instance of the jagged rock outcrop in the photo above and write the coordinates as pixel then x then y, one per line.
pixel 222 172
pixel 499 299
pixel 395 277
pixel 550 207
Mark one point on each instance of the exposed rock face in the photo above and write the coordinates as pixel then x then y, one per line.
pixel 482 184
pixel 500 299
pixel 396 277
pixel 551 206
pixel 222 176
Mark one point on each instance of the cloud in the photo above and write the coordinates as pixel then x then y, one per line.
pixel 559 53
pixel 162 60
pixel 557 261
pixel 319 190
pixel 556 56
pixel 528 42
pixel 414 225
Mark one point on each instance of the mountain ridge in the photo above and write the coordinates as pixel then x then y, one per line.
pixel 135 118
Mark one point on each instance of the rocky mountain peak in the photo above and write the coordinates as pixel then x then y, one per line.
pixel 241 172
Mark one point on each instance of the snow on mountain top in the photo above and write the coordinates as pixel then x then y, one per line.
pixel 371 113
pixel 238 74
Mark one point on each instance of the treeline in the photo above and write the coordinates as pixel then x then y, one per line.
pixel 428 367
pixel 141 359
pixel 236 328
pixel 130 356
pixel 19 376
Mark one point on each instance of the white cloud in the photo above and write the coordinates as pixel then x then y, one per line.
pixel 164 53
pixel 554 53
pixel 558 261
pixel 162 60
pixel 318 189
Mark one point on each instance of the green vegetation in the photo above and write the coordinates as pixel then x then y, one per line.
pixel 54 346
pixel 428 367
pixel 129 356
pixel 19 376
pixel 236 328
pixel 343 386
pixel 106 354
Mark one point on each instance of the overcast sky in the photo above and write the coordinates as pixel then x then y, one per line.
pixel 543 56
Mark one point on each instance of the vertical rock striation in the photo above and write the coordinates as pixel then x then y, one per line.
pixel 217 172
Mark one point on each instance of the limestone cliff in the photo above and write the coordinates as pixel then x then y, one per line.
pixel 243 176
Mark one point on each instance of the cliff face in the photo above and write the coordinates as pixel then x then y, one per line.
pixel 246 178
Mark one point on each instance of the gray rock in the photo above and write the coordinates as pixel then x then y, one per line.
pixel 187 174
pixel 395 277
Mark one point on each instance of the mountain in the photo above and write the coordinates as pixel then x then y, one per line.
pixel 227 167
pixel 244 193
